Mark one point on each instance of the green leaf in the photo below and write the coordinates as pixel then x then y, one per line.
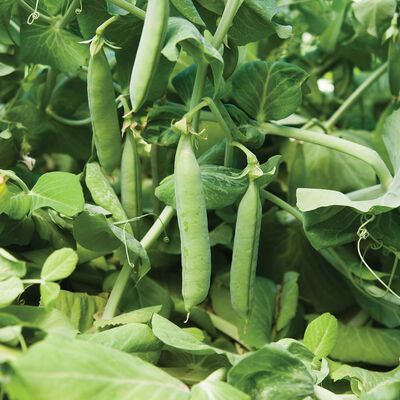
pixel 188 10
pixel 321 335
pixel 272 373
pixel 258 329
pixel 130 338
pixel 49 292
pixel 367 345
pixel 59 48
pixel 374 15
pixel 10 266
pixel 6 69
pixel 59 265
pixel 311 199
pixel 210 390
pixel 391 137
pixel 268 90
pixel 102 192
pixel 142 315
pixel 18 202
pixel 79 308
pixel 288 299
pixel 10 289
pixel 60 191
pixel 177 338
pixel 220 185
pixel 86 370
pixel 384 391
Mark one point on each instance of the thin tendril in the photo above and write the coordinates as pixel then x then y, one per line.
pixel 33 16
pixel 126 248
pixel 363 234
pixel 79 9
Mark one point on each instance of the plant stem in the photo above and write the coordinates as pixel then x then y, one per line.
pixel 27 7
pixel 355 96
pixel 125 5
pixel 198 90
pixel 231 8
pixel 48 89
pixel 282 204
pixel 66 121
pixel 68 16
pixel 151 236
pixel 100 30
pixel 363 153
pixel 156 171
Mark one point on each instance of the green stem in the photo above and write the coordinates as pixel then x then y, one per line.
pixel 27 7
pixel 355 96
pixel 198 90
pixel 151 236
pixel 66 121
pixel 155 158
pixel 68 16
pixel 363 153
pixel 231 8
pixel 32 281
pixel 100 30
pixel 125 5
pixel 48 89
pixel 282 204
pixel 251 157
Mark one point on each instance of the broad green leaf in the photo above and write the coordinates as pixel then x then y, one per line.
pixel 288 299
pixel 59 265
pixel 93 233
pixel 220 185
pixel 49 292
pixel 210 390
pixel 361 378
pixel 10 266
pixel 188 10
pixel 142 315
pixel 10 289
pixel 18 202
pixel 385 391
pixel 390 134
pixel 181 31
pixel 86 370
pixel 80 308
pixel 311 199
pixel 321 335
pixel 174 336
pixel 258 329
pixel 130 338
pixel 367 345
pixel 6 69
pixel 374 15
pixel 271 373
pixel 59 48
pixel 60 191
pixel 102 192
pixel 268 90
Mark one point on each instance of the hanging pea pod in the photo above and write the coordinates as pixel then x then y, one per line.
pixel 149 51
pixel 193 225
pixel 394 64
pixel 131 182
pixel 103 110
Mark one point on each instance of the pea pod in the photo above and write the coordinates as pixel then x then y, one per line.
pixel 193 226
pixel 149 51
pixel 131 182
pixel 394 63
pixel 245 251
pixel 103 111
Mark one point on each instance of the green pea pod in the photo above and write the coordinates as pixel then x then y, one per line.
pixel 149 51
pixel 245 251
pixel 193 226
pixel 394 65
pixel 131 182
pixel 103 111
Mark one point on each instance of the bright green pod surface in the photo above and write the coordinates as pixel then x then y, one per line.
pixel 193 225
pixel 103 111
pixel 245 251
pixel 131 182
pixel 149 51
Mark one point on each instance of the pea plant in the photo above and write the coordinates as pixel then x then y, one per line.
pixel 199 199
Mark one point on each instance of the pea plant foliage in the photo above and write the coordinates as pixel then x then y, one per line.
pixel 199 199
